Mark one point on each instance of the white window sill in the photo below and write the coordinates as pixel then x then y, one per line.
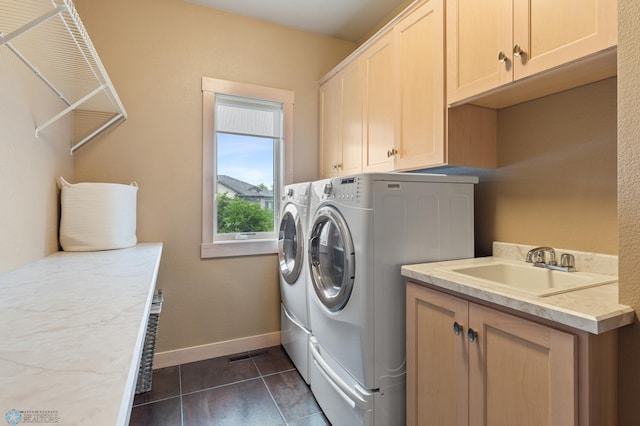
pixel 238 248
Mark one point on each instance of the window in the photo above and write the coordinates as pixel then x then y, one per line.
pixel 246 140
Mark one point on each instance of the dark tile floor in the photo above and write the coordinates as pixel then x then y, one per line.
pixel 259 388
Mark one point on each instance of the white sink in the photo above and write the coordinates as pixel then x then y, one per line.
pixel 530 279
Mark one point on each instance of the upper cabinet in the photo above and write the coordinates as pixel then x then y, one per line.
pixel 341 126
pixel 379 105
pixel 404 122
pixel 351 115
pixel 402 102
pixel 497 42
pixel 420 116
pixel 330 95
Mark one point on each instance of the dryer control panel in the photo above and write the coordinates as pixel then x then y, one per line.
pixel 347 189
pixel 298 194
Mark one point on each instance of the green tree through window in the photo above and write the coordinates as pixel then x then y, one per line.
pixel 236 215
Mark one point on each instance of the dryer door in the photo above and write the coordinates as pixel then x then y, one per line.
pixel 290 244
pixel 331 258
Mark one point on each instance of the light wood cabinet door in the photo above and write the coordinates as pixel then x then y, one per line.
pixel 420 123
pixel 550 32
pixel 437 368
pixel 496 369
pixel 380 104
pixel 330 127
pixel 477 31
pixel 495 42
pixel 341 123
pixel 520 372
pixel 352 123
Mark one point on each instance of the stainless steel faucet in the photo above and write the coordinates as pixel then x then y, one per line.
pixel 538 256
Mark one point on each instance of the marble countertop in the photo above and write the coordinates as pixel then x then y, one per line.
pixel 595 309
pixel 73 326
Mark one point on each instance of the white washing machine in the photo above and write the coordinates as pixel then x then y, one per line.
pixel 295 329
pixel 362 229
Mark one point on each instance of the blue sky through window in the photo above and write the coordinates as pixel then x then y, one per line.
pixel 248 158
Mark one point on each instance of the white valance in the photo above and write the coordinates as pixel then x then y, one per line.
pixel 248 116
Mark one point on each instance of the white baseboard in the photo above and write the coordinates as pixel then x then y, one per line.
pixel 214 350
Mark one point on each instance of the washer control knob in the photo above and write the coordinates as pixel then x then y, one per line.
pixel 328 188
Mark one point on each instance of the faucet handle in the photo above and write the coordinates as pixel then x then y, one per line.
pixel 538 255
pixel 567 261
pixel 530 254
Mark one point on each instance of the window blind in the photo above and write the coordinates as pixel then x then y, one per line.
pixel 249 117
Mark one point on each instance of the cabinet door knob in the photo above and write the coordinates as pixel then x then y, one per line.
pixel 457 328
pixel 472 335
pixel 391 152
pixel 502 57
pixel 517 51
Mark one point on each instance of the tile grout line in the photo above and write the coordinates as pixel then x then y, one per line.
pixel 264 382
pixel 221 386
pixel 279 372
pixel 154 401
pixel 180 390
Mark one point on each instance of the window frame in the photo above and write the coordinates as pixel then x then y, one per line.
pixel 210 86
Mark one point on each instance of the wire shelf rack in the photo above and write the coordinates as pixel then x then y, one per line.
pixel 50 39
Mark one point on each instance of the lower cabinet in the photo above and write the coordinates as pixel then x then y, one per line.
pixel 468 364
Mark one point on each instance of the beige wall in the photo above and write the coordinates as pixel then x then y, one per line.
pixel 555 183
pixel 156 52
pixel 29 166
pixel 629 203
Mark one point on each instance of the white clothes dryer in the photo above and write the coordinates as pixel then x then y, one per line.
pixel 295 328
pixel 363 229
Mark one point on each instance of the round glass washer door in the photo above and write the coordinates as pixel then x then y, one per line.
pixel 290 244
pixel 331 258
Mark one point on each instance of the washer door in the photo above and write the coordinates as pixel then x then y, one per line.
pixel 290 244
pixel 331 258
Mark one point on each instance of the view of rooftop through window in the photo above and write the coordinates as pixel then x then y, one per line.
pixel 245 166
pixel 247 153
pixel 246 158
